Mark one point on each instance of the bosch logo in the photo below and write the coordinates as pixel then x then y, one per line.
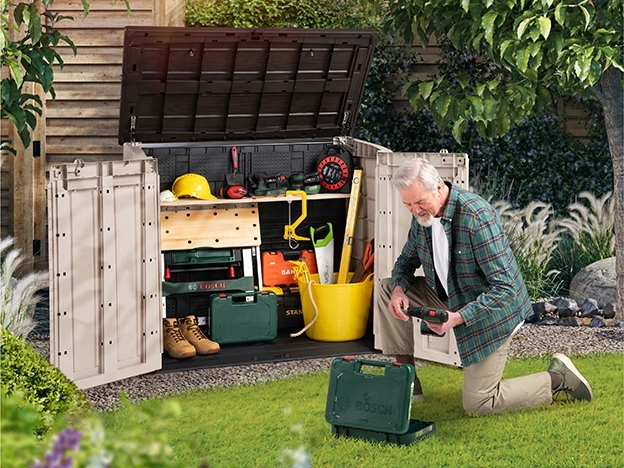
pixel 192 287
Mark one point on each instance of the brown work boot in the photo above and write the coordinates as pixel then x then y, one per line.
pixel 192 333
pixel 175 344
pixel 417 394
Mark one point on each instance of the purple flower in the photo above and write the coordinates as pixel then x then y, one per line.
pixel 67 440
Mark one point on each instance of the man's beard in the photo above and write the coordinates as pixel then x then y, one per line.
pixel 425 220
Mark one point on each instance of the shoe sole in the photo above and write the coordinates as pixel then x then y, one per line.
pixel 568 363
pixel 180 356
pixel 210 351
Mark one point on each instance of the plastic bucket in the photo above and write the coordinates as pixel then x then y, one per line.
pixel 342 308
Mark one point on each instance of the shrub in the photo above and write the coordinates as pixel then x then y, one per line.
pixel 588 235
pixel 19 423
pixel 25 370
pixel 278 13
pixel 533 239
pixel 18 296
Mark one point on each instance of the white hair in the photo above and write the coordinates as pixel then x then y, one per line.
pixel 416 169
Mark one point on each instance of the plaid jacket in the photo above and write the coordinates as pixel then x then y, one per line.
pixel 484 283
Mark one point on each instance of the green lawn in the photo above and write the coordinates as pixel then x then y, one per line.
pixel 250 426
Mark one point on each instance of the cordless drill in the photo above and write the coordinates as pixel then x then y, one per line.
pixel 430 315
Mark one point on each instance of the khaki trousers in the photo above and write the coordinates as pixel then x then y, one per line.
pixel 483 389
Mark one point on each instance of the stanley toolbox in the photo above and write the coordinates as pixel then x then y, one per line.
pixel 373 406
pixel 243 317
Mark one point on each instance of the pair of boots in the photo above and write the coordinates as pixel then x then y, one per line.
pixel 184 339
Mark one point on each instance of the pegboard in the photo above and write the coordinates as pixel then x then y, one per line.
pixel 213 226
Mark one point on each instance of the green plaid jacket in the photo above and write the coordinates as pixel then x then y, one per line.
pixel 484 283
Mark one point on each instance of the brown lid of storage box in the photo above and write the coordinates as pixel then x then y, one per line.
pixel 209 84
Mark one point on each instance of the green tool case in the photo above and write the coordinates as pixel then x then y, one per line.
pixel 373 406
pixel 243 317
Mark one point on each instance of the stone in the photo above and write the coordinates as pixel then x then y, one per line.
pixel 548 321
pixel 565 307
pixel 596 280
pixel 535 315
pixel 590 308
pixel 597 322
pixel 570 321
pixel 609 310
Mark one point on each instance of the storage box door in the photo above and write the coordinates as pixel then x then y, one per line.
pixel 392 223
pixel 105 299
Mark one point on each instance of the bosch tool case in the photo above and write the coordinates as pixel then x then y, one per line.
pixel 373 405
pixel 243 317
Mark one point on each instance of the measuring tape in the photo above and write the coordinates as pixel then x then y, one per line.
pixel 335 168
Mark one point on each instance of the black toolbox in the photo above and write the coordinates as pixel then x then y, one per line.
pixel 373 405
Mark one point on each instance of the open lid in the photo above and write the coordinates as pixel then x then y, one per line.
pixel 209 84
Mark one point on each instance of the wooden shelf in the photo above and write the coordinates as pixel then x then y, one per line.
pixel 192 203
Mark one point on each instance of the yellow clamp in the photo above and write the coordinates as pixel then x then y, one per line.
pixel 289 230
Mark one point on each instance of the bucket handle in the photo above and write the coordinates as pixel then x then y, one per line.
pixel 303 330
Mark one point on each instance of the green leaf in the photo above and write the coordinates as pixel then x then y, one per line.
pixel 545 25
pixel 560 14
pixel 488 25
pixel 523 25
pixel 18 13
pixel 85 7
pixel 458 128
pixel 586 15
pixel 476 106
pixel 490 108
pixel 463 79
pixel 34 28
pixel 425 88
pixel 15 70
pixel 522 59
pixel 465 4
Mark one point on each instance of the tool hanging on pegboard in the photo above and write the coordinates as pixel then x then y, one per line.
pixel 335 168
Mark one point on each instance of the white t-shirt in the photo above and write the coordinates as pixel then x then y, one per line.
pixel 440 252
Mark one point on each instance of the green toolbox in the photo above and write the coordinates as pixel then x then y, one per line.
pixel 373 405
pixel 244 317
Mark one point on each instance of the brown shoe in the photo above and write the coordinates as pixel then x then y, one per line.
pixel 192 333
pixel 175 344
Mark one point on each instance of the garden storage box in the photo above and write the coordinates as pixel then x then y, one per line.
pixel 243 317
pixel 373 405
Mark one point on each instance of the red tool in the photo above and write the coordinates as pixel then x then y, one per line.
pixel 365 267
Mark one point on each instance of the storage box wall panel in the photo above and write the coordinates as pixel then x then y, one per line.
pixel 392 223
pixel 104 270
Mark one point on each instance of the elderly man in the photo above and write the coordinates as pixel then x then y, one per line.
pixel 470 271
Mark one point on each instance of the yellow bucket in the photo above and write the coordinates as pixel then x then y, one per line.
pixel 342 308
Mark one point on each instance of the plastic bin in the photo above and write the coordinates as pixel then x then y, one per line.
pixel 342 308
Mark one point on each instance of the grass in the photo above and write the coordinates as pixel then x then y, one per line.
pixel 250 426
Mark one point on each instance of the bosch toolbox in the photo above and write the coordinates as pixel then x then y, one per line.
pixel 243 317
pixel 372 400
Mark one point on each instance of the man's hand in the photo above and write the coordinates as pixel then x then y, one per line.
pixel 454 319
pixel 398 303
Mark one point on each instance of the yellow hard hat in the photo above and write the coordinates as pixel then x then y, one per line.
pixel 192 186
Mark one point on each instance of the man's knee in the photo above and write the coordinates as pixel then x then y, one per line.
pixel 477 404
